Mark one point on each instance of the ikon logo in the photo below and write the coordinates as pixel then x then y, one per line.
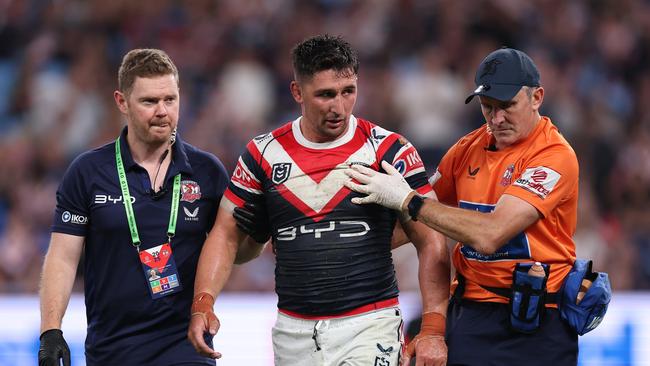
pixel 75 219
pixel 413 158
pixel 400 165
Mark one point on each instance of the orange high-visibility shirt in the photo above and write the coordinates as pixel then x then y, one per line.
pixel 542 170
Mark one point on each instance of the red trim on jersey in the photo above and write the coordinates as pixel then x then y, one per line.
pixel 385 145
pixel 266 167
pixel 321 166
pixel 254 151
pixel 424 189
pixel 234 198
pixel 305 209
pixel 356 311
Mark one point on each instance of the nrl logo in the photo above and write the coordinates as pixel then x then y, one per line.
pixel 281 172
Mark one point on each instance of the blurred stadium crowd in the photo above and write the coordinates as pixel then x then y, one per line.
pixel 59 59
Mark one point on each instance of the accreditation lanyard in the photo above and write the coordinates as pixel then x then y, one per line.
pixel 128 207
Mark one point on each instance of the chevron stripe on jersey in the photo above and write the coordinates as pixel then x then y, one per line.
pixel 315 172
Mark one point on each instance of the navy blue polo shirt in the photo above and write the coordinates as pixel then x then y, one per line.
pixel 125 325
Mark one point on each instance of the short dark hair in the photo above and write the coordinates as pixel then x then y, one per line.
pixel 144 62
pixel 323 52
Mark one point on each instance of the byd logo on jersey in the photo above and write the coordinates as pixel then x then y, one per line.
pixel 539 180
pixel 74 218
pixel 345 229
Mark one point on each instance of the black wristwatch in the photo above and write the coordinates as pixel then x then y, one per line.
pixel 414 206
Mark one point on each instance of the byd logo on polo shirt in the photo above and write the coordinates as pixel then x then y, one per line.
pixel 107 198
pixel 74 218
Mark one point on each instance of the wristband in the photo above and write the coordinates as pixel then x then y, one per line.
pixel 202 303
pixel 433 324
pixel 433 327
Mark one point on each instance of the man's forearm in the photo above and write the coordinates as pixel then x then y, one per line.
pixel 434 276
pixel 468 227
pixel 484 232
pixel 215 265
pixel 57 278
pixel 433 266
pixel 219 252
pixel 56 287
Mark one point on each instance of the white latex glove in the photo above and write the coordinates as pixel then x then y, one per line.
pixel 389 190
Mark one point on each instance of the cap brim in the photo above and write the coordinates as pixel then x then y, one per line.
pixel 500 92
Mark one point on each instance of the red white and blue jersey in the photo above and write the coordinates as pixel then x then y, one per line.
pixel 331 255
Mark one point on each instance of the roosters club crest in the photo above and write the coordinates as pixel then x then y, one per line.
pixel 281 172
pixel 506 179
pixel 190 191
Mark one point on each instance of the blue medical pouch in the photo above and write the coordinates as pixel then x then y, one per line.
pixel 527 298
pixel 585 316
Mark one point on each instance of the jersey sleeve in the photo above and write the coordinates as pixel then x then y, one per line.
pixel 443 181
pixel 398 151
pixel 72 212
pixel 547 179
pixel 246 180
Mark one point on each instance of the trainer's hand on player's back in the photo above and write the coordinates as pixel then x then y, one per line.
pixel 203 321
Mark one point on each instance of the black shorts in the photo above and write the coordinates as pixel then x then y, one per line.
pixel 478 333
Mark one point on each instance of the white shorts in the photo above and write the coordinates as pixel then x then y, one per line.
pixel 373 338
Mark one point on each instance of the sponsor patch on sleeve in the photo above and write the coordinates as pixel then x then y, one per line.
pixel 407 161
pixel 73 218
pixel 244 179
pixel 539 180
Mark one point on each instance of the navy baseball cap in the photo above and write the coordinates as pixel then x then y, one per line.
pixel 502 74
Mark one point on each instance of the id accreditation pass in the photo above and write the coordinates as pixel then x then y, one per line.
pixel 158 265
